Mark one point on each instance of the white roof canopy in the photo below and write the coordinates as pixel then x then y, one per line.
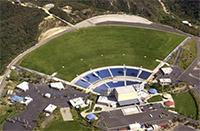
pixel 50 108
pixel 167 70
pixel 23 86
pixel 57 85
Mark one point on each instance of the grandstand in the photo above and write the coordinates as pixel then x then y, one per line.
pixel 103 80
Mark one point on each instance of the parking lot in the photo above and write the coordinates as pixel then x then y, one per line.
pixel 151 114
pixel 26 120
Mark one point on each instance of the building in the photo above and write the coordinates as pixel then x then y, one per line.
pixel 78 102
pixel 57 85
pixel 165 81
pixel 166 70
pixel 24 86
pixel 106 101
pixel 50 108
pixel 126 95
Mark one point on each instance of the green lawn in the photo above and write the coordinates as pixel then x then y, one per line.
pixel 60 125
pixel 185 104
pixel 155 98
pixel 78 124
pixel 94 47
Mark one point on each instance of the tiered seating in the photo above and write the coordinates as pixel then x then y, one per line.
pixel 103 73
pixel 96 76
pixel 91 78
pixel 144 75
pixel 116 84
pixel 101 89
pixel 117 71
pixel 83 83
pixel 132 72
pixel 132 82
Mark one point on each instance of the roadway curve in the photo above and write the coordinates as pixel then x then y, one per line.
pixel 114 19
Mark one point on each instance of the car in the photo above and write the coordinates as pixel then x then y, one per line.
pixel 150 115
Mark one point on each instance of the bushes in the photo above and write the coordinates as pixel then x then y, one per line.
pixel 19 30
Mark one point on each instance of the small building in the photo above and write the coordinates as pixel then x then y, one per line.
pixel 152 91
pixel 126 95
pixel 106 101
pixel 16 98
pixel 23 86
pixel 166 70
pixel 27 100
pixel 165 81
pixel 78 102
pixel 50 108
pixel 91 117
pixel 57 85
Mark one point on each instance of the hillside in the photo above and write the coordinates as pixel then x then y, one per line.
pixel 19 30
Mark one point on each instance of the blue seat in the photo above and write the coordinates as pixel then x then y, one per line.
pixel 116 84
pixel 101 89
pixel 144 75
pixel 91 78
pixel 132 82
pixel 117 71
pixel 82 83
pixel 103 73
pixel 132 72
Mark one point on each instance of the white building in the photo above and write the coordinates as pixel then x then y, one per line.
pixel 27 100
pixel 186 23
pixel 165 81
pixel 78 102
pixel 126 95
pixel 57 85
pixel 105 101
pixel 50 108
pixel 166 70
pixel 23 86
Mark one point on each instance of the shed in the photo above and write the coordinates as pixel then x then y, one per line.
pixel 165 81
pixel 23 86
pixel 152 91
pixel 57 85
pixel 90 117
pixel 78 102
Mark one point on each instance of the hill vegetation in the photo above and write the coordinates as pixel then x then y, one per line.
pixel 19 30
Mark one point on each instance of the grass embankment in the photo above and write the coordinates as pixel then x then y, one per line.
pixel 79 51
pixel 185 104
pixel 188 54
pixel 155 98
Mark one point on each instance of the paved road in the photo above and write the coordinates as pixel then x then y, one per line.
pixel 192 73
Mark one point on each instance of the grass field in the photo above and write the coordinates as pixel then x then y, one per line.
pixel 185 104
pixel 94 47
pixel 155 98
